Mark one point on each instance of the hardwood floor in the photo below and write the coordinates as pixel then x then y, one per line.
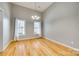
pixel 38 47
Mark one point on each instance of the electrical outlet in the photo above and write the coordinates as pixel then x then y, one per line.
pixel 72 42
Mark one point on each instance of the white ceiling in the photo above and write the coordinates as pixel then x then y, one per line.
pixel 31 5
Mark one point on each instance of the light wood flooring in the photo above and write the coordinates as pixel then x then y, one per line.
pixel 38 47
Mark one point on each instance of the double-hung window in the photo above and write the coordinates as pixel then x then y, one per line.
pixel 37 27
pixel 19 27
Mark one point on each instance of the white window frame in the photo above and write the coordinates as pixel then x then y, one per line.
pixel 17 31
pixel 37 33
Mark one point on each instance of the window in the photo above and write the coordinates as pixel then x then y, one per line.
pixel 37 27
pixel 19 27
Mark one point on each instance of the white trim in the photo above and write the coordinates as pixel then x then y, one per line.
pixel 24 38
pixel 6 46
pixel 14 40
pixel 63 44
pixel 1 10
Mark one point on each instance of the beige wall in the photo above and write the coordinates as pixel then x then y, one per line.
pixel 6 23
pixel 25 14
pixel 61 23
pixel 10 12
pixel 1 30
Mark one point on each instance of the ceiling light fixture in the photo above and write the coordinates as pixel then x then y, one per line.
pixel 35 17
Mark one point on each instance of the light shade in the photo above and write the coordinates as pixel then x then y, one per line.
pixel 35 17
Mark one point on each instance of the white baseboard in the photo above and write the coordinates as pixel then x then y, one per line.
pixel 45 38
pixel 14 40
pixel 1 50
pixel 75 49
pixel 24 39
pixel 6 45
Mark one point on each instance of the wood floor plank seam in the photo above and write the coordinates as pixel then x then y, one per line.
pixel 37 47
